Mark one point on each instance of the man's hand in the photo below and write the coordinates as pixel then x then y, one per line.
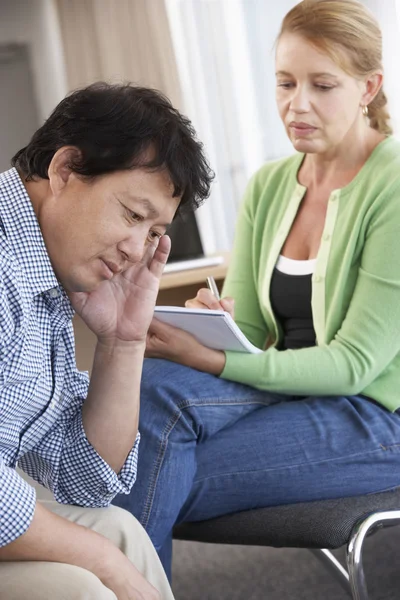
pixel 119 575
pixel 120 310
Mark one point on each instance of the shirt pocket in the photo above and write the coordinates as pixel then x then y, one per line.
pixel 23 356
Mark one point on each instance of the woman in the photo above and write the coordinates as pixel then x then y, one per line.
pixel 315 280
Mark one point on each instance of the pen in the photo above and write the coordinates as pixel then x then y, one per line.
pixel 212 286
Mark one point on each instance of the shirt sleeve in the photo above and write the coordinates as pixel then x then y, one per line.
pixel 367 341
pixel 65 462
pixel 17 504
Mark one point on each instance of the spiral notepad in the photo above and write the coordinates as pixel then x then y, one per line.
pixel 213 328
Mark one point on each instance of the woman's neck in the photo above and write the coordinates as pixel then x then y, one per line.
pixel 339 166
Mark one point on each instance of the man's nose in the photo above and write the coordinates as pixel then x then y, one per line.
pixel 133 247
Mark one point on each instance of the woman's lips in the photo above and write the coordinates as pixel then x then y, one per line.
pixel 301 129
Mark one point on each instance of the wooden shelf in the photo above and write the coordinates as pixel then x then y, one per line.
pixel 195 276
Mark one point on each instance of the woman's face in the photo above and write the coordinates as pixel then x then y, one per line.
pixel 318 102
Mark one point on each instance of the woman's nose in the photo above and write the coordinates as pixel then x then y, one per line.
pixel 300 100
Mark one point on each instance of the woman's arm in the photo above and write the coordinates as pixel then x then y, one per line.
pixel 366 343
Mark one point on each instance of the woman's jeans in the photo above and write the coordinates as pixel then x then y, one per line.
pixel 211 447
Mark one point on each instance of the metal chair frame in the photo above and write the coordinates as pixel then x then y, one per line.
pixel 353 579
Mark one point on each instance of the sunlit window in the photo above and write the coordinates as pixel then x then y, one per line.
pixel 225 55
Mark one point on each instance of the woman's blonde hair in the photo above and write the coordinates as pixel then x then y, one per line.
pixel 348 32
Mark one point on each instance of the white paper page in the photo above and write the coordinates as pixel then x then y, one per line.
pixel 213 328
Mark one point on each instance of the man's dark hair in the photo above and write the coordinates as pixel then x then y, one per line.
pixel 119 127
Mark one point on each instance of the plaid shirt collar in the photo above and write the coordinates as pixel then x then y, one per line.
pixel 24 235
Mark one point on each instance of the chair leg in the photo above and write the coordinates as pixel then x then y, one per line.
pixel 334 566
pixel 355 546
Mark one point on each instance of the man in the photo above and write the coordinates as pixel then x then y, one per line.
pixel 83 217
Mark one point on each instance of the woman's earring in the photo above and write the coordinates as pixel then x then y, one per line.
pixel 365 110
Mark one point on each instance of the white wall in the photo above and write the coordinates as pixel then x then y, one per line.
pixel 34 22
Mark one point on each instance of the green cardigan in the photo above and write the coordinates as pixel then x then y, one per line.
pixel 355 286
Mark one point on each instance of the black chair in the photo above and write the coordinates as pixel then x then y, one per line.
pixel 318 526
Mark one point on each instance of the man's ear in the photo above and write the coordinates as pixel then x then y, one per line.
pixel 372 86
pixel 59 170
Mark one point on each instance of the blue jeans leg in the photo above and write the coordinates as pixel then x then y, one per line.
pixel 211 447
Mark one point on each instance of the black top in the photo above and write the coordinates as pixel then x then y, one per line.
pixel 291 302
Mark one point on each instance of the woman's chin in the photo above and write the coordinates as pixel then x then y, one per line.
pixel 305 145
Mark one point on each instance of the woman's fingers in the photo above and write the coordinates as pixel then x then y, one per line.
pixel 206 299
pixel 228 305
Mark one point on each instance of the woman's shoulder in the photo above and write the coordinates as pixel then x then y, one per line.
pixel 384 163
pixel 275 176
pixel 288 165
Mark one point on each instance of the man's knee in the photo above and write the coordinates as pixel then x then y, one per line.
pixel 46 581
pixel 119 526
pixel 119 519
pixel 83 585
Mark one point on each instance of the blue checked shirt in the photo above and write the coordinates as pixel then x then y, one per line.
pixel 41 390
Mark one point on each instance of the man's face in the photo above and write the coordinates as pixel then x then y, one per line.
pixel 98 229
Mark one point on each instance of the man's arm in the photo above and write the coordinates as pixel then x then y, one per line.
pixel 111 411
pixel 55 539
pixel 28 531
pixel 119 312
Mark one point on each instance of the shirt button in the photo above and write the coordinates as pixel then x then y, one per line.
pixel 53 404
pixel 54 293
pixel 333 198
pixel 326 237
pixel 318 278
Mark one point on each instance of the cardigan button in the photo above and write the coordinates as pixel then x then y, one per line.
pixel 326 237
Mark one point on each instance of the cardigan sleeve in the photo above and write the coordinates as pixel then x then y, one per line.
pixel 367 341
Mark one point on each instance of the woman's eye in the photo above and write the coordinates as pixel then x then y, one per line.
pixel 286 85
pixel 324 88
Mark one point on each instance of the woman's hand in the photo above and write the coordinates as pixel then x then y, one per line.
pixel 171 343
pixel 206 299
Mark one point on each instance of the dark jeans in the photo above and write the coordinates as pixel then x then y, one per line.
pixel 211 447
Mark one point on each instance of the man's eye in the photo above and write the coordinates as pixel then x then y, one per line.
pixel 135 217
pixel 285 85
pixel 153 235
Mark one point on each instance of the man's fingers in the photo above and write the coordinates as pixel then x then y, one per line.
pixel 160 256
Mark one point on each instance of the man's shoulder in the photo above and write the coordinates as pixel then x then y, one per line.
pixel 9 264
pixel 12 286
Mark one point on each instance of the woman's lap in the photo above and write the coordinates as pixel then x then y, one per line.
pixel 296 451
pixel 211 447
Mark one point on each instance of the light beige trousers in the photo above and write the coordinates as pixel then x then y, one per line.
pixel 58 581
